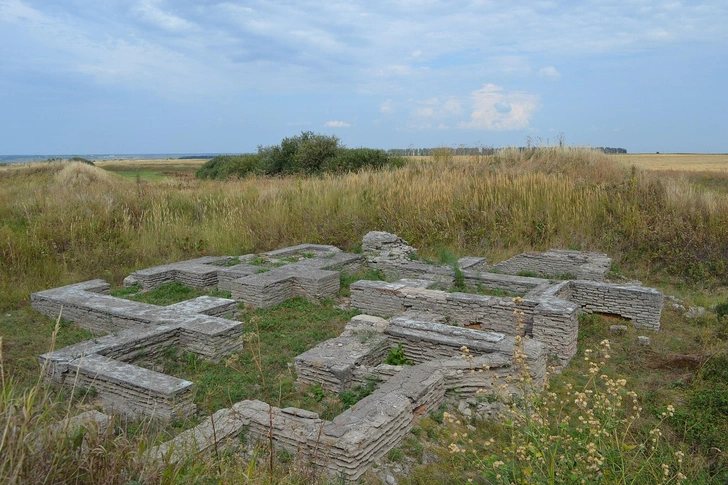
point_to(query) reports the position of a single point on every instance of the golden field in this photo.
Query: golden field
(690, 162)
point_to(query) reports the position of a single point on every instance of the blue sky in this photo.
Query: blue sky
(190, 76)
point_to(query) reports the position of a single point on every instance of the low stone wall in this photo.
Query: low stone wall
(333, 363)
(108, 363)
(354, 440)
(557, 263)
(516, 285)
(431, 326)
(643, 306)
(315, 274)
(553, 320)
(357, 354)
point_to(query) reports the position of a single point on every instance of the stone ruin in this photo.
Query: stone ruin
(414, 311)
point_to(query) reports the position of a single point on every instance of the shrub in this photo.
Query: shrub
(226, 166)
(306, 152)
(354, 159)
(721, 310)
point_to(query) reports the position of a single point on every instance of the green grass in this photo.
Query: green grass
(64, 223)
(346, 279)
(166, 294)
(26, 334)
(273, 338)
(143, 176)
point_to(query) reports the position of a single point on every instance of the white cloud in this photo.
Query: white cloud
(149, 11)
(386, 107)
(452, 107)
(549, 72)
(495, 110)
(337, 124)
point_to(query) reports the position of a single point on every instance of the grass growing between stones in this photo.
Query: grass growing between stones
(273, 337)
(64, 223)
(657, 416)
(166, 294)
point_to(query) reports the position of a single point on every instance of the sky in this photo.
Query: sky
(207, 76)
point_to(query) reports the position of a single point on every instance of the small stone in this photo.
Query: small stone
(618, 329)
(678, 307)
(471, 427)
(643, 340)
(390, 479)
(695, 312)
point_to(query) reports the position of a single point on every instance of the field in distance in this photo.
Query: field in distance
(152, 170)
(691, 162)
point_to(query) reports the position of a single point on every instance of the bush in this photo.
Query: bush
(308, 153)
(354, 159)
(226, 166)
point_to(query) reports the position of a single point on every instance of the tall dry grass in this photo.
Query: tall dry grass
(67, 222)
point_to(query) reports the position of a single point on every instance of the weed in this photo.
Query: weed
(166, 294)
(258, 261)
(528, 274)
(395, 455)
(125, 291)
(317, 392)
(352, 396)
(397, 356)
(721, 310)
(346, 279)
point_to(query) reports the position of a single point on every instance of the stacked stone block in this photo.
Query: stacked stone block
(643, 306)
(431, 326)
(557, 263)
(108, 363)
(553, 320)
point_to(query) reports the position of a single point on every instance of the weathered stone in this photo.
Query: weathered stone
(558, 263)
(432, 327)
(695, 312)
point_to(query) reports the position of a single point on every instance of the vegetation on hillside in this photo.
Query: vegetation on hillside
(307, 153)
(67, 222)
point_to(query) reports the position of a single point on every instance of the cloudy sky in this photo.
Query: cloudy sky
(190, 76)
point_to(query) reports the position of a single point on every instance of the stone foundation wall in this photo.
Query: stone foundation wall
(556, 263)
(313, 273)
(641, 305)
(108, 363)
(347, 446)
(555, 321)
(358, 354)
(433, 328)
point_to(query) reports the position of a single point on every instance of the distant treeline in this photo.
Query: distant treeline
(426, 152)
